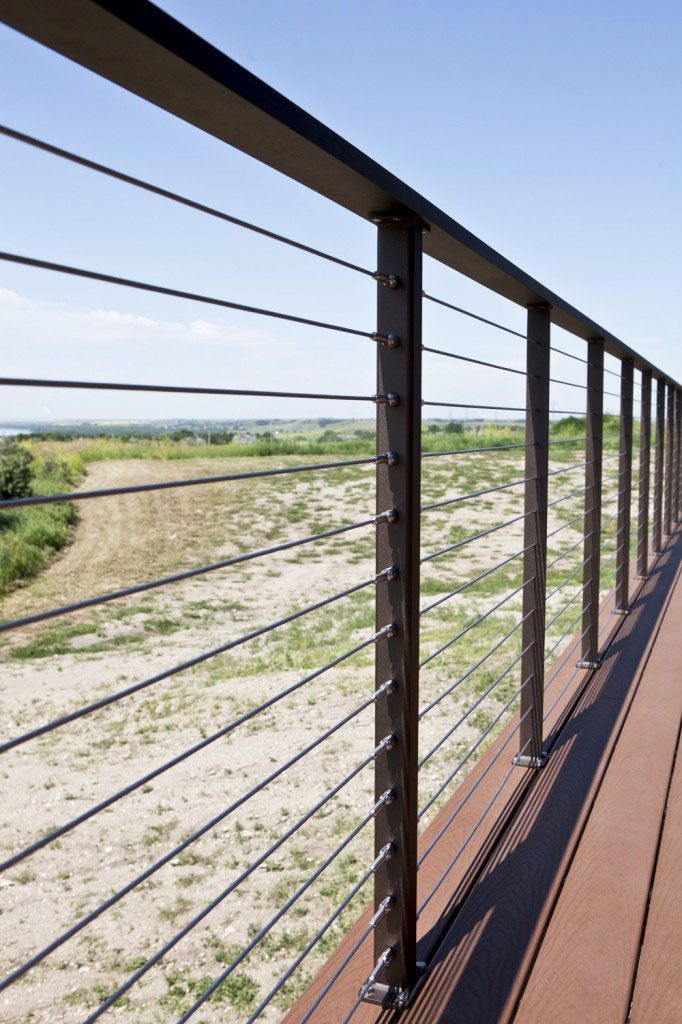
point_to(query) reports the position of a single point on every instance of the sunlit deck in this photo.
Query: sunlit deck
(568, 910)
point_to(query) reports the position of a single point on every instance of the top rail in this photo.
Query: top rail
(150, 53)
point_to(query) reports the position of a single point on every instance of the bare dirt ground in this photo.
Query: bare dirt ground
(57, 666)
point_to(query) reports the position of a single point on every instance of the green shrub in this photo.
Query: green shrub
(29, 536)
(16, 470)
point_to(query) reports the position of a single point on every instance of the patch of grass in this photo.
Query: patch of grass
(56, 640)
(239, 990)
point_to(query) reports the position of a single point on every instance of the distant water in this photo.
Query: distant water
(11, 431)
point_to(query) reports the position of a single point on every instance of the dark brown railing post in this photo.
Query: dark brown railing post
(594, 443)
(535, 537)
(397, 601)
(669, 448)
(624, 489)
(678, 448)
(657, 532)
(644, 477)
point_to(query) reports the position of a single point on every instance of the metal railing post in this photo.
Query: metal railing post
(677, 498)
(594, 443)
(399, 311)
(624, 489)
(644, 477)
(657, 532)
(535, 537)
(669, 448)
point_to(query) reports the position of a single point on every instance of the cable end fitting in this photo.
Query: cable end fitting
(387, 633)
(392, 573)
(391, 399)
(387, 340)
(390, 280)
(386, 852)
(388, 459)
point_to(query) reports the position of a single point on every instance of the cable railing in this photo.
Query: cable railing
(462, 704)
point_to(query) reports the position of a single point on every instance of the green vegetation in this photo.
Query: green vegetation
(30, 536)
(52, 461)
(345, 438)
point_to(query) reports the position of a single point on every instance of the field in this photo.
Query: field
(57, 666)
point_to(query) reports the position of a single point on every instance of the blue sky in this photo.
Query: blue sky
(549, 130)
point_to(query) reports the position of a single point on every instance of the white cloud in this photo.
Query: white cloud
(28, 320)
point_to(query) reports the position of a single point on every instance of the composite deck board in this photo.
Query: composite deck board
(586, 964)
(478, 972)
(658, 986)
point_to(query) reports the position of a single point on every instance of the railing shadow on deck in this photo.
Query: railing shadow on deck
(478, 973)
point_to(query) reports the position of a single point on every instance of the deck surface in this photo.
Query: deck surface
(568, 909)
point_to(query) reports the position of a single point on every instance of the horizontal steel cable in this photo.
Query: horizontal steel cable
(556, 669)
(385, 958)
(106, 492)
(172, 389)
(126, 282)
(578, 668)
(565, 497)
(473, 537)
(569, 384)
(568, 440)
(608, 622)
(463, 718)
(139, 588)
(567, 579)
(569, 469)
(104, 702)
(474, 451)
(563, 554)
(474, 494)
(568, 631)
(387, 904)
(570, 522)
(568, 604)
(320, 933)
(571, 355)
(68, 826)
(210, 907)
(509, 330)
(175, 197)
(176, 851)
(473, 405)
(611, 557)
(471, 835)
(611, 540)
(467, 629)
(562, 663)
(470, 359)
(475, 316)
(178, 759)
(476, 579)
(456, 770)
(473, 668)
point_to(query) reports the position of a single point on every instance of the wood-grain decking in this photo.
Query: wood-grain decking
(570, 908)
